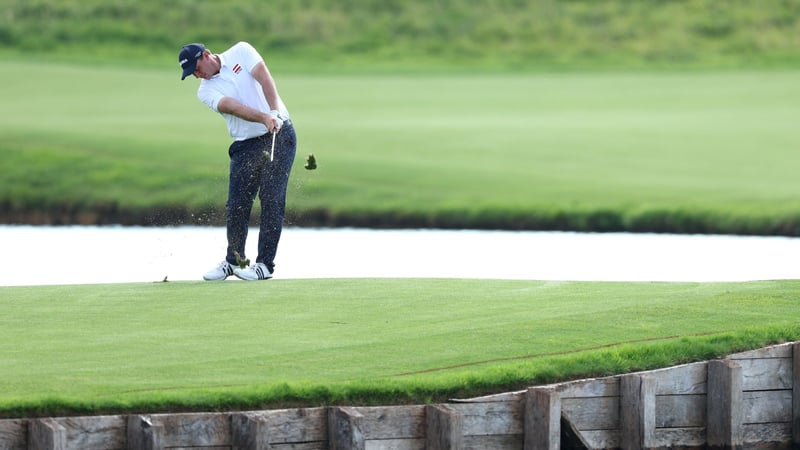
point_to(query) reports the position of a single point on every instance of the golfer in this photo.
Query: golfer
(237, 84)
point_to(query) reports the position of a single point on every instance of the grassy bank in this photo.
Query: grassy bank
(611, 116)
(205, 346)
(319, 35)
(691, 152)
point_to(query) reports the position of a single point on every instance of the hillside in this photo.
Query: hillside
(396, 35)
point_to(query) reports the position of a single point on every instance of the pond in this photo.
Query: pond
(45, 255)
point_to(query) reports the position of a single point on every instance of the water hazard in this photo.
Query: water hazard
(44, 255)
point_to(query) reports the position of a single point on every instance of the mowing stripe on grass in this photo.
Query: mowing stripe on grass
(684, 152)
(189, 343)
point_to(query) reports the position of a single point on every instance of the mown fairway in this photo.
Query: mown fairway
(579, 115)
(686, 152)
(157, 346)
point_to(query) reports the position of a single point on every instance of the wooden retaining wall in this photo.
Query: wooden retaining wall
(747, 400)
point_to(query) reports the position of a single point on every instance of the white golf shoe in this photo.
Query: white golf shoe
(258, 271)
(219, 273)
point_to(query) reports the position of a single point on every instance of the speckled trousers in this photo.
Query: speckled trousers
(251, 174)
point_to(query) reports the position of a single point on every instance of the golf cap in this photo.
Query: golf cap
(188, 57)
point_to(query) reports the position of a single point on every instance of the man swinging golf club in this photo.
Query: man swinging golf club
(237, 84)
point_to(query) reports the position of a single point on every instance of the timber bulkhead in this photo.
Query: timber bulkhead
(746, 400)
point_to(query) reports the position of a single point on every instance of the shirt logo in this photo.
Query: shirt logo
(237, 68)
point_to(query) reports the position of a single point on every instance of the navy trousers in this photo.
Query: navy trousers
(251, 174)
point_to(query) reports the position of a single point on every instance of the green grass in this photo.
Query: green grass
(190, 346)
(417, 35)
(445, 114)
(681, 152)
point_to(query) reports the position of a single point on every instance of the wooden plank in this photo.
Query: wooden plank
(679, 437)
(195, 429)
(767, 432)
(46, 434)
(637, 411)
(796, 394)
(345, 427)
(502, 397)
(494, 442)
(724, 405)
(249, 431)
(445, 428)
(773, 351)
(490, 418)
(393, 422)
(767, 406)
(395, 444)
(766, 374)
(598, 413)
(14, 434)
(684, 379)
(601, 439)
(316, 445)
(226, 447)
(144, 434)
(542, 423)
(593, 387)
(570, 437)
(297, 425)
(95, 432)
(680, 411)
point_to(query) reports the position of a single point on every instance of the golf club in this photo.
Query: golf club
(272, 148)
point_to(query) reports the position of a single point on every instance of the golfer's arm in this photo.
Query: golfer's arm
(229, 105)
(264, 78)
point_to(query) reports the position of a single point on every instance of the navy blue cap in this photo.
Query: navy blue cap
(188, 57)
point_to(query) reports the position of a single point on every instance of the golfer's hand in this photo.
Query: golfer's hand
(274, 122)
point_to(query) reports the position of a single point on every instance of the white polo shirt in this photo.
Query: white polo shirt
(234, 80)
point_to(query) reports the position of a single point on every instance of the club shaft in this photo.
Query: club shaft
(272, 149)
